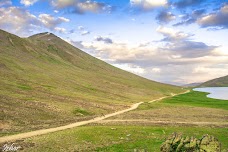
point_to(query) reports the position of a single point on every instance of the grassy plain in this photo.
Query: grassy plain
(115, 138)
(196, 99)
(190, 107)
(130, 136)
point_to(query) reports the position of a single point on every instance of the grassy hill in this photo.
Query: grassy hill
(46, 82)
(218, 82)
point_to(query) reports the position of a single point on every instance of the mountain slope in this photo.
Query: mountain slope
(44, 81)
(218, 82)
(191, 85)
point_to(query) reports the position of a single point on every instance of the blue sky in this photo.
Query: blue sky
(171, 41)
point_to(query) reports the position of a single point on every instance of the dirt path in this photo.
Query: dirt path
(168, 96)
(50, 130)
(45, 131)
(164, 122)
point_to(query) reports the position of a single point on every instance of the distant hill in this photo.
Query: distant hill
(191, 85)
(218, 82)
(45, 81)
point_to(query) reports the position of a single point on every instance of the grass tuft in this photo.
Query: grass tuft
(81, 111)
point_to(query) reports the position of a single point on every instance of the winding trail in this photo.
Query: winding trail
(46, 131)
(81, 123)
(172, 95)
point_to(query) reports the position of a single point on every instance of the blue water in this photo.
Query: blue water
(215, 92)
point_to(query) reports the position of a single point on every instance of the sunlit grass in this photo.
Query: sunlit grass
(117, 138)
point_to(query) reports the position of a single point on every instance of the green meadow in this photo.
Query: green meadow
(197, 99)
(117, 138)
(190, 99)
(139, 136)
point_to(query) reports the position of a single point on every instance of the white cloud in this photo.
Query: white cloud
(63, 3)
(21, 22)
(165, 17)
(56, 11)
(81, 6)
(85, 32)
(148, 4)
(63, 19)
(217, 19)
(50, 21)
(5, 2)
(156, 2)
(224, 9)
(81, 28)
(171, 33)
(130, 68)
(220, 51)
(165, 65)
(120, 52)
(179, 42)
(103, 39)
(207, 72)
(90, 6)
(60, 30)
(156, 70)
(17, 20)
(28, 2)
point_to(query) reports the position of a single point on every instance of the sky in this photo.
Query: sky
(170, 41)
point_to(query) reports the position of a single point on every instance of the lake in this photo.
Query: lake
(215, 92)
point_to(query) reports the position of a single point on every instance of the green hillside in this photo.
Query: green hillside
(218, 82)
(46, 82)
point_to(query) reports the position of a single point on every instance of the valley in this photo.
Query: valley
(46, 82)
(55, 97)
(144, 128)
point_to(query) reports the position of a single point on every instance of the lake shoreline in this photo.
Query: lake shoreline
(215, 92)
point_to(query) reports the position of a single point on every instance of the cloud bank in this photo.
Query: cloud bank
(180, 59)
(23, 21)
(217, 19)
(148, 4)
